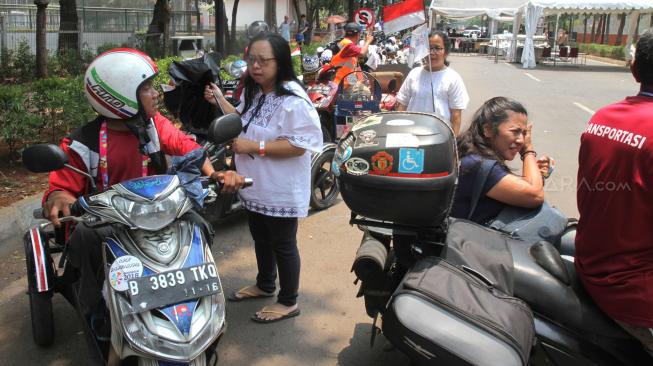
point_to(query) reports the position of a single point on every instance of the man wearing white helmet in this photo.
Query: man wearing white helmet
(127, 140)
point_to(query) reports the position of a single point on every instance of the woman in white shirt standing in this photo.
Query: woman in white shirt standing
(280, 130)
(435, 87)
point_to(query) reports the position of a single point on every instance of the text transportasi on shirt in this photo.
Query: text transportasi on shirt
(616, 134)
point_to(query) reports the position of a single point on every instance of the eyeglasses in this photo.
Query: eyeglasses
(261, 61)
(436, 49)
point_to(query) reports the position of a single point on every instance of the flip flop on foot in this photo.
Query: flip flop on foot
(271, 314)
(249, 292)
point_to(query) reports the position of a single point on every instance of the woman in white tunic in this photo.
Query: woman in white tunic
(280, 130)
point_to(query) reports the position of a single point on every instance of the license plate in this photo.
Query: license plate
(171, 287)
(230, 83)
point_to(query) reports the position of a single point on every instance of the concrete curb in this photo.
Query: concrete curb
(17, 218)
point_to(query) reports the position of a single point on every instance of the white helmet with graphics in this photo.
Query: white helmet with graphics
(112, 81)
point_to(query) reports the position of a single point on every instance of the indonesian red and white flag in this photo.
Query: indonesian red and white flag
(406, 14)
(296, 52)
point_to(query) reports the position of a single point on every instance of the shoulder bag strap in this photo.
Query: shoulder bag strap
(479, 183)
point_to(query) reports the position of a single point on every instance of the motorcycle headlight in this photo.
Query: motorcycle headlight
(237, 68)
(150, 216)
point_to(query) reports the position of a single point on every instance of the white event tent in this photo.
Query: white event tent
(532, 10)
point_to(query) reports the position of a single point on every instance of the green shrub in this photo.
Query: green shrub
(6, 71)
(61, 105)
(105, 47)
(603, 50)
(16, 126)
(24, 63)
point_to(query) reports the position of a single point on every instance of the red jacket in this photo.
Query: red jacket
(124, 160)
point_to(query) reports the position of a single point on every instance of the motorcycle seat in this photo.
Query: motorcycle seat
(549, 284)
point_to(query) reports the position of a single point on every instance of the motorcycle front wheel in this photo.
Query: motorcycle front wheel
(324, 185)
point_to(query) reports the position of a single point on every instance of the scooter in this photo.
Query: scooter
(162, 288)
(409, 232)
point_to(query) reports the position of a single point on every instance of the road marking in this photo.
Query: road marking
(532, 77)
(591, 112)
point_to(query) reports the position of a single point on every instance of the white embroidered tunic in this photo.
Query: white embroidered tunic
(281, 185)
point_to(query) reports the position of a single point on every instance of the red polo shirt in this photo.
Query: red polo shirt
(614, 242)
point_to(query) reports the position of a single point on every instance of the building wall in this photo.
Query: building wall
(252, 10)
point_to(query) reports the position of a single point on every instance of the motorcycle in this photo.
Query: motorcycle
(397, 174)
(162, 288)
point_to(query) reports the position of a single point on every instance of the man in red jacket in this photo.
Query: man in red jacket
(614, 242)
(128, 140)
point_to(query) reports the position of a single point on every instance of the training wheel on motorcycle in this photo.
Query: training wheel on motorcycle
(40, 303)
(324, 185)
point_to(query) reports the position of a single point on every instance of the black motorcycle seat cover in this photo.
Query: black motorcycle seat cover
(535, 275)
(548, 258)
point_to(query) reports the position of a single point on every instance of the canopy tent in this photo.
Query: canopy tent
(471, 8)
(496, 10)
(533, 9)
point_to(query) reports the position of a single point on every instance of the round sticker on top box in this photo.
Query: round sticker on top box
(123, 269)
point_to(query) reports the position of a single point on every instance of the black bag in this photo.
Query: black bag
(447, 314)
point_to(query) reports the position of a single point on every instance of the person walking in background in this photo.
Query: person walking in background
(284, 28)
(302, 29)
(435, 87)
(281, 129)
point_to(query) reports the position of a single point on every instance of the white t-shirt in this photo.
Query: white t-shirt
(448, 88)
(281, 185)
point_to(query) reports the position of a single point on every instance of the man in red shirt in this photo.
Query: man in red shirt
(126, 141)
(347, 58)
(614, 242)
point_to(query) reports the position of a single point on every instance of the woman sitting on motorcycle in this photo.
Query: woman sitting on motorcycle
(498, 132)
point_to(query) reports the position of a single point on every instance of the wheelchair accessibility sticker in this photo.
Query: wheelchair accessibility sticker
(411, 161)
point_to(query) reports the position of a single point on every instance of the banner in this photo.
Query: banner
(419, 44)
(403, 15)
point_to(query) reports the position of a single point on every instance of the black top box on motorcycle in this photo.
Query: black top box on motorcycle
(400, 167)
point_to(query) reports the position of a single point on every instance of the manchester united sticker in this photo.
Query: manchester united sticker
(381, 163)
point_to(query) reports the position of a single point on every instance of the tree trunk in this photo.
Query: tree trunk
(219, 26)
(585, 28)
(606, 30)
(68, 42)
(620, 32)
(234, 12)
(227, 38)
(270, 14)
(159, 27)
(41, 46)
(350, 10)
(593, 35)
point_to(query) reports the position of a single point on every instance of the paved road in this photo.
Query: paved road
(333, 328)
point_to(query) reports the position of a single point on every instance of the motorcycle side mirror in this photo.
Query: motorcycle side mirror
(392, 86)
(43, 158)
(225, 128)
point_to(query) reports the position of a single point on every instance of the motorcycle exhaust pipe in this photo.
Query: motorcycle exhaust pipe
(371, 258)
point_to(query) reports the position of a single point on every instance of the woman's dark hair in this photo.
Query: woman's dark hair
(285, 71)
(493, 112)
(644, 58)
(445, 40)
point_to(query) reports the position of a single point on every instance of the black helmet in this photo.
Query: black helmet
(257, 27)
(352, 29)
